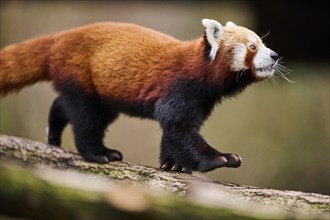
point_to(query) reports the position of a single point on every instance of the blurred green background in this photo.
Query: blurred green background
(280, 129)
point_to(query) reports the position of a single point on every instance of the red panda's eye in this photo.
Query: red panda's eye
(253, 47)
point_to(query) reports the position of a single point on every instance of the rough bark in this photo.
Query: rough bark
(199, 198)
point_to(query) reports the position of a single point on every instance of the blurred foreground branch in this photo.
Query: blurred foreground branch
(113, 191)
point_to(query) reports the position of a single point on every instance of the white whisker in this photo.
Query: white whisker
(273, 80)
(265, 35)
(266, 81)
(284, 77)
(282, 71)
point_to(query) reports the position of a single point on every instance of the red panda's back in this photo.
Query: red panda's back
(111, 59)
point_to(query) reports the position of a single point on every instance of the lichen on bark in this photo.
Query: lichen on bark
(167, 194)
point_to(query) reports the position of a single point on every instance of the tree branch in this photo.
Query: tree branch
(201, 198)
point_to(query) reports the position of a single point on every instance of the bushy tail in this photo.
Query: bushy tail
(23, 64)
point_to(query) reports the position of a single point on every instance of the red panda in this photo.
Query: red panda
(105, 69)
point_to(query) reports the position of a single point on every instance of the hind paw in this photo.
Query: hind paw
(106, 155)
(113, 155)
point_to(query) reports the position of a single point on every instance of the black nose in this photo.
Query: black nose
(274, 55)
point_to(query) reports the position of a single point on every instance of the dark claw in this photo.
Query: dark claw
(113, 155)
(105, 156)
(222, 161)
(117, 156)
(233, 160)
(186, 170)
(103, 159)
(168, 166)
(174, 167)
(165, 166)
(95, 158)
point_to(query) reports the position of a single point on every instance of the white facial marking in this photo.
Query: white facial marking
(252, 39)
(213, 31)
(239, 54)
(263, 63)
(230, 24)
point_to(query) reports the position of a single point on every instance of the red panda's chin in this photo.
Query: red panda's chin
(263, 72)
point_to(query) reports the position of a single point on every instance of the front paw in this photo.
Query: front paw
(233, 160)
(170, 166)
(221, 160)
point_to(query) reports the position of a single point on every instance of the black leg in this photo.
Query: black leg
(57, 120)
(89, 119)
(89, 126)
(181, 114)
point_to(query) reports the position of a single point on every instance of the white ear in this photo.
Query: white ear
(213, 31)
(230, 24)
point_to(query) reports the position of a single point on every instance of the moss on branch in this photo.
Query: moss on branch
(118, 190)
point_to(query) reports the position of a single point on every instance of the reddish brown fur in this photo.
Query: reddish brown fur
(23, 64)
(116, 61)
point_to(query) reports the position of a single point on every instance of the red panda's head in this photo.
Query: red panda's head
(241, 48)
